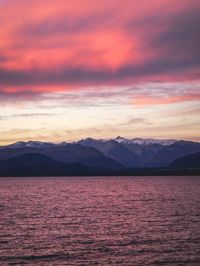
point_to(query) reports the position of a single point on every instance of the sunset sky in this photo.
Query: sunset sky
(99, 68)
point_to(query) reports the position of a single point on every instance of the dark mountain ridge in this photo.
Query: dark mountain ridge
(33, 164)
(191, 161)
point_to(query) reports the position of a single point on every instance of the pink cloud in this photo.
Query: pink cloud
(165, 100)
(51, 45)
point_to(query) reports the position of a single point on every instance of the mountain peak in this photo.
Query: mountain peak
(29, 144)
(122, 140)
(142, 141)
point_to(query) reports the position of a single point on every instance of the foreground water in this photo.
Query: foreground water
(100, 221)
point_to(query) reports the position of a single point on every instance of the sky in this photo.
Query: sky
(99, 68)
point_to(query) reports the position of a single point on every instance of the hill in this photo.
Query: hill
(189, 161)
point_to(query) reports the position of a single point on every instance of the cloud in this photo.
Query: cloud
(135, 121)
(181, 34)
(28, 115)
(94, 57)
(100, 45)
(141, 94)
(63, 24)
(165, 100)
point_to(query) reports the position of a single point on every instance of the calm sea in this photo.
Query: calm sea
(100, 221)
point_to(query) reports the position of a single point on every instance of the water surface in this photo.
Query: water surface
(100, 221)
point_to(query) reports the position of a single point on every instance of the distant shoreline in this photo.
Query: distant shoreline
(134, 172)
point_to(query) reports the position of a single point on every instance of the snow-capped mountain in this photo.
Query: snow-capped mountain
(62, 152)
(141, 141)
(30, 144)
(136, 152)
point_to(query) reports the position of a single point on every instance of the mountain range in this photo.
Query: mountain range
(89, 155)
(143, 152)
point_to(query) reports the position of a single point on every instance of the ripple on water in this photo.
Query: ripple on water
(100, 221)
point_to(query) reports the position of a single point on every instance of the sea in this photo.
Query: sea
(100, 221)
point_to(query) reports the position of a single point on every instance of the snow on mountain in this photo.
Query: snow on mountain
(139, 141)
(135, 152)
(30, 144)
(145, 141)
(91, 140)
(122, 140)
(16, 145)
